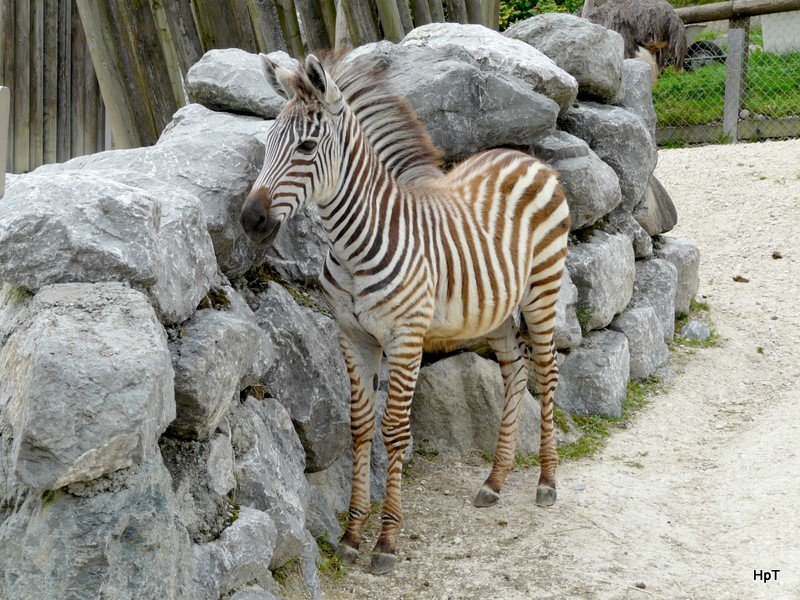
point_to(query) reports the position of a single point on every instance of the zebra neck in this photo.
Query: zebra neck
(358, 216)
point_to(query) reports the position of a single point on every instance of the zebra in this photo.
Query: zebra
(418, 260)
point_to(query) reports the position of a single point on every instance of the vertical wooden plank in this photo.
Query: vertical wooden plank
(224, 24)
(77, 89)
(50, 125)
(37, 84)
(7, 80)
(266, 25)
(100, 141)
(474, 12)
(437, 11)
(21, 91)
(313, 24)
(5, 109)
(735, 78)
(90, 108)
(405, 15)
(456, 11)
(64, 100)
(169, 51)
(390, 20)
(329, 14)
(291, 27)
(184, 32)
(363, 29)
(421, 12)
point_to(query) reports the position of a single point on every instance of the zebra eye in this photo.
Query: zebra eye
(307, 147)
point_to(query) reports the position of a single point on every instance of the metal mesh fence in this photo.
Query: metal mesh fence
(759, 65)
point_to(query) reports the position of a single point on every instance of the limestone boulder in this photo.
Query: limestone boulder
(636, 93)
(86, 384)
(299, 249)
(656, 213)
(685, 256)
(603, 270)
(589, 52)
(594, 377)
(621, 221)
(655, 286)
(568, 328)
(219, 351)
(644, 331)
(309, 376)
(621, 140)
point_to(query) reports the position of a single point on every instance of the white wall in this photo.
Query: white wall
(781, 32)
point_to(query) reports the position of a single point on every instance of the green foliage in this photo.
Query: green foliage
(330, 565)
(512, 11)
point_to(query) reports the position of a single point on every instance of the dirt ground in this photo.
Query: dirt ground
(703, 488)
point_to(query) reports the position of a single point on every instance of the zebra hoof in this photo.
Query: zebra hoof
(347, 554)
(545, 495)
(486, 496)
(382, 563)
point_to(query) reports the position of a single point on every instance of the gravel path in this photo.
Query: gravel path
(710, 490)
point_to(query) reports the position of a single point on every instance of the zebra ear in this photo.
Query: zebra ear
(277, 77)
(325, 87)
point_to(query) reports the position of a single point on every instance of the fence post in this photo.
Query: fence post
(5, 109)
(736, 76)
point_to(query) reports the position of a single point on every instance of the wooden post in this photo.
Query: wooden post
(722, 11)
(223, 24)
(77, 62)
(437, 11)
(183, 31)
(736, 77)
(405, 15)
(422, 12)
(170, 51)
(329, 14)
(7, 74)
(266, 25)
(491, 13)
(37, 85)
(390, 20)
(474, 12)
(50, 116)
(314, 24)
(64, 99)
(5, 110)
(456, 11)
(363, 29)
(22, 84)
(291, 28)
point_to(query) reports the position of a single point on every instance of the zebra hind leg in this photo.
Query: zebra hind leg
(362, 357)
(540, 317)
(510, 350)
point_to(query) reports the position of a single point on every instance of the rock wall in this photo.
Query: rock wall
(172, 397)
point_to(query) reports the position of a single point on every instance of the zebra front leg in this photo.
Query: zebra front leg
(510, 350)
(362, 356)
(540, 316)
(404, 362)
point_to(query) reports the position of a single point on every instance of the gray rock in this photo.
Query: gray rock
(686, 258)
(240, 556)
(231, 80)
(216, 165)
(115, 537)
(559, 145)
(92, 358)
(636, 93)
(330, 495)
(256, 593)
(219, 351)
(494, 53)
(309, 378)
(202, 476)
(590, 53)
(621, 140)
(621, 221)
(298, 251)
(655, 285)
(193, 119)
(13, 300)
(602, 268)
(465, 106)
(695, 330)
(645, 336)
(656, 213)
(594, 376)
(269, 471)
(309, 567)
(458, 405)
(568, 328)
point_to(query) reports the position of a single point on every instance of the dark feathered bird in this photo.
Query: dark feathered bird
(650, 24)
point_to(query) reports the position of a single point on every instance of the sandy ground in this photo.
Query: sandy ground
(711, 490)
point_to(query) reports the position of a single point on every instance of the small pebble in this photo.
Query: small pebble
(457, 540)
(695, 330)
(640, 585)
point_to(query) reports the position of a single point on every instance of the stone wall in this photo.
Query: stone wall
(172, 397)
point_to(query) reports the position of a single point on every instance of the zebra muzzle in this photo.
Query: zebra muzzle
(258, 223)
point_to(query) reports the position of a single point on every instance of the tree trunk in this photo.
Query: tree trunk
(405, 15)
(291, 28)
(390, 20)
(361, 23)
(475, 12)
(422, 12)
(314, 24)
(456, 11)
(266, 26)
(437, 11)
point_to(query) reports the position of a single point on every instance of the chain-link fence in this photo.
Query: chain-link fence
(741, 81)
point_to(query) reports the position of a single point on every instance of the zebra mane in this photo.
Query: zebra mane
(388, 120)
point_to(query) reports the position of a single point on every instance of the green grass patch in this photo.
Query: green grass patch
(330, 565)
(696, 310)
(698, 97)
(291, 570)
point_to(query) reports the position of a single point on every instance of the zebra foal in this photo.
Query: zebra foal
(418, 260)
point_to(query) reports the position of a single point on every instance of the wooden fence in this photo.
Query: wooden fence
(88, 74)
